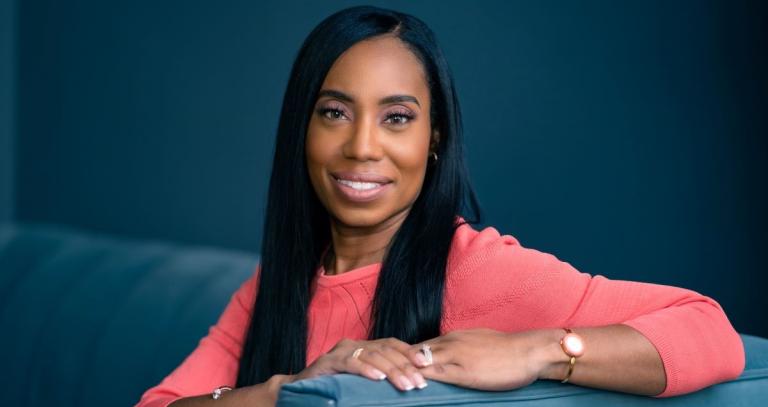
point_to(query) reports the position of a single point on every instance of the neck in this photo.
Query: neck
(355, 247)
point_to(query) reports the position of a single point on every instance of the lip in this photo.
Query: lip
(361, 177)
(353, 195)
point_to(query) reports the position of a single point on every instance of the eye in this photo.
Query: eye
(399, 118)
(331, 113)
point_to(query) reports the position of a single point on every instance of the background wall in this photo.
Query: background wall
(628, 139)
(7, 85)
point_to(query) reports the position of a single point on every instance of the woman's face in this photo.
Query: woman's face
(369, 136)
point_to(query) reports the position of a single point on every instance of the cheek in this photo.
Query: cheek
(411, 159)
(323, 143)
(318, 153)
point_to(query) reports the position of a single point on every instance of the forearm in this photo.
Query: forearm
(617, 358)
(259, 395)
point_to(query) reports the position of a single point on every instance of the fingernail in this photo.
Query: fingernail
(421, 360)
(406, 383)
(420, 382)
(378, 374)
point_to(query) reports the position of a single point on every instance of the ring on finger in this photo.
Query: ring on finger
(427, 351)
(356, 353)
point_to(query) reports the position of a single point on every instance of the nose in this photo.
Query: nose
(363, 143)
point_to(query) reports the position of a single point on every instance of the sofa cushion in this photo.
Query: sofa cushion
(90, 320)
(750, 389)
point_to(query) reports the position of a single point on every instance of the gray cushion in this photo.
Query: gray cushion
(90, 320)
(750, 389)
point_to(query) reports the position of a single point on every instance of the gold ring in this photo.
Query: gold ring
(357, 353)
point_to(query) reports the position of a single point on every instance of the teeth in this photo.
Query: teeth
(360, 186)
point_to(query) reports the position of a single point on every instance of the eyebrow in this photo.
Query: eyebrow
(386, 100)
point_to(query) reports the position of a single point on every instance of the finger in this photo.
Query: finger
(439, 353)
(386, 359)
(361, 368)
(353, 364)
(445, 372)
(411, 367)
(396, 343)
(420, 356)
(398, 355)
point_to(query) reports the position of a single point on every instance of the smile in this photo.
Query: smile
(360, 188)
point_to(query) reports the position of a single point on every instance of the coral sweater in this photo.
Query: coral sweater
(493, 282)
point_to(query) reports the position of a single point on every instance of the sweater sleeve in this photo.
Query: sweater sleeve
(515, 288)
(215, 360)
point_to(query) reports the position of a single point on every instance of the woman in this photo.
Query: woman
(368, 267)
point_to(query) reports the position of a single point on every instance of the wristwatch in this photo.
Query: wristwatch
(573, 346)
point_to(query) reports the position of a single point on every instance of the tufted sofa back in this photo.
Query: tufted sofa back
(89, 320)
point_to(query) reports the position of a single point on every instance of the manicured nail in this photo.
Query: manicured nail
(420, 382)
(378, 374)
(421, 360)
(406, 383)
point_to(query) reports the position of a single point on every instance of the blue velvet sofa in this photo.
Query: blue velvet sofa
(90, 320)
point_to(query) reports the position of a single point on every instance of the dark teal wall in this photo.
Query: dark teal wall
(628, 138)
(7, 103)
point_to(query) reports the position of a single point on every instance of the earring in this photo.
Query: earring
(433, 156)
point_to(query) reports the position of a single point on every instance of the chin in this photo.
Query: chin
(360, 217)
(368, 217)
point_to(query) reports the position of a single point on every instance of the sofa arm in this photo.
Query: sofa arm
(750, 389)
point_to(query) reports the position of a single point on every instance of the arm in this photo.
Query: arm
(214, 362)
(260, 395)
(690, 334)
(622, 360)
(641, 338)
(618, 358)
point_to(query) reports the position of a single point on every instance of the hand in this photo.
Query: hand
(380, 359)
(485, 359)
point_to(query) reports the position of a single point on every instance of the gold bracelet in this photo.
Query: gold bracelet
(570, 369)
(573, 346)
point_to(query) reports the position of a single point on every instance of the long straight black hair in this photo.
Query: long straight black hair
(409, 297)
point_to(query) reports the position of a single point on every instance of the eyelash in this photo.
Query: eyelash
(400, 115)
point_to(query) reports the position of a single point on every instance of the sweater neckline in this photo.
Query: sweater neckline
(359, 273)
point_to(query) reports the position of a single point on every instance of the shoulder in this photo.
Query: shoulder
(471, 245)
(493, 281)
(474, 246)
(488, 255)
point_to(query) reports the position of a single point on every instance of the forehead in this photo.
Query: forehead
(378, 67)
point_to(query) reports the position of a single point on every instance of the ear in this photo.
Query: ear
(434, 141)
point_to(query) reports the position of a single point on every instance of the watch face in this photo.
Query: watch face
(573, 345)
